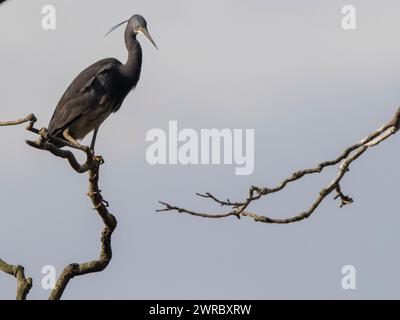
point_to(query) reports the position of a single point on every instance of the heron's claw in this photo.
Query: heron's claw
(105, 203)
(98, 159)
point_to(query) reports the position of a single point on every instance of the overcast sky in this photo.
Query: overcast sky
(284, 68)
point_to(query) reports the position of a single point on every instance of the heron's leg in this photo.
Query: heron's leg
(69, 138)
(94, 139)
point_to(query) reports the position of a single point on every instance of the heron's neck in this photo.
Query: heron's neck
(133, 65)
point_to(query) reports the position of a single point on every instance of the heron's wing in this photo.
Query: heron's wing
(86, 91)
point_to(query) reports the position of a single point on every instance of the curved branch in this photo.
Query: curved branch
(110, 223)
(347, 157)
(92, 166)
(24, 284)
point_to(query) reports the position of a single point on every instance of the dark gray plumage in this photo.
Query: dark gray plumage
(100, 89)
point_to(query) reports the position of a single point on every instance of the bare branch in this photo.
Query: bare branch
(110, 223)
(92, 166)
(29, 118)
(347, 157)
(23, 284)
(193, 213)
(65, 154)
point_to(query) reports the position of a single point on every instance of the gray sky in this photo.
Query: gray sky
(284, 68)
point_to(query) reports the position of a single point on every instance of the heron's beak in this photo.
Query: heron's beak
(147, 34)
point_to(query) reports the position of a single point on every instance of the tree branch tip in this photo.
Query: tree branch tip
(167, 207)
(255, 188)
(33, 144)
(32, 118)
(203, 195)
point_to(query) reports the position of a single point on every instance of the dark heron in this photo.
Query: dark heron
(99, 90)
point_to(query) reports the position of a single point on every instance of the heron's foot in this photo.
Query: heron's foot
(67, 136)
(76, 145)
(103, 202)
(99, 159)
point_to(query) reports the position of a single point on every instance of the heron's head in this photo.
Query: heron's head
(136, 24)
